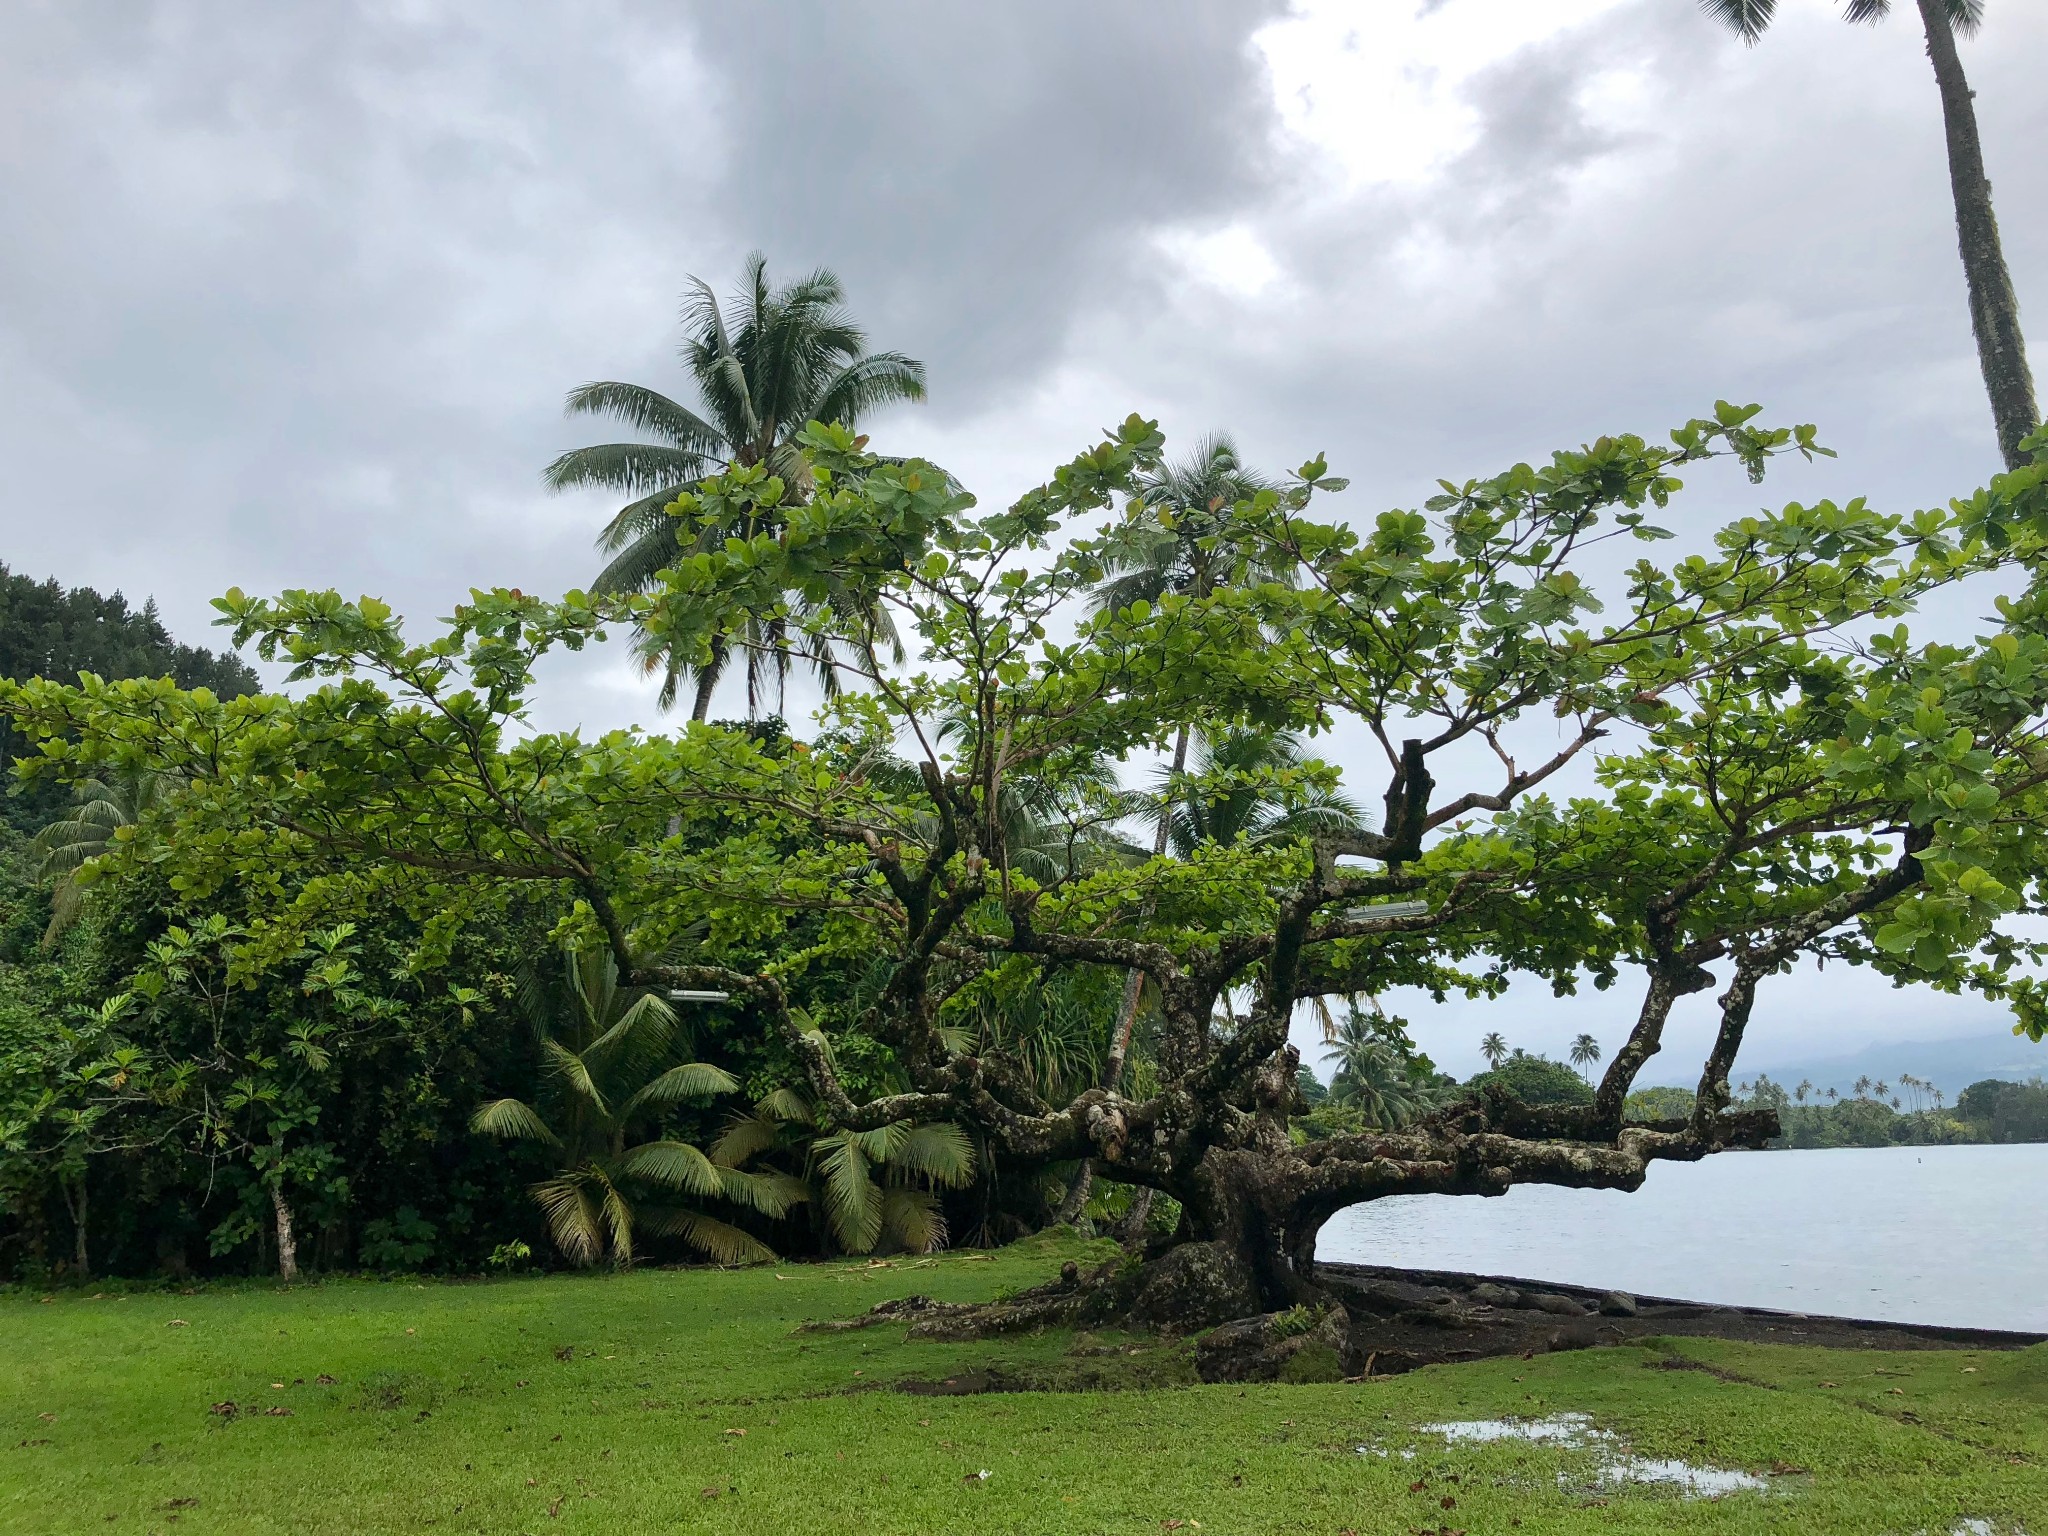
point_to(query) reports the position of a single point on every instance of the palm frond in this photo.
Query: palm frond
(67, 905)
(853, 1200)
(572, 1216)
(911, 1218)
(638, 469)
(1748, 19)
(573, 1070)
(618, 1220)
(939, 1152)
(717, 1241)
(673, 1165)
(787, 1104)
(772, 1194)
(650, 411)
(867, 383)
(691, 1080)
(744, 1138)
(642, 1031)
(515, 1119)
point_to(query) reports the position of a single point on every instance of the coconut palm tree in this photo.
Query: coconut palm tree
(1994, 310)
(100, 809)
(1493, 1048)
(1585, 1051)
(610, 1074)
(779, 359)
(1374, 1075)
(873, 1186)
(1196, 810)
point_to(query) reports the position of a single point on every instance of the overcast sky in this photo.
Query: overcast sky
(290, 294)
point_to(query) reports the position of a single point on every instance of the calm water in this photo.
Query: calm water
(1955, 1235)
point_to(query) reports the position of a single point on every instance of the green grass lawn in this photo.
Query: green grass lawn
(684, 1401)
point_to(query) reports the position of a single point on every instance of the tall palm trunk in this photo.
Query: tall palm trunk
(1994, 310)
(707, 681)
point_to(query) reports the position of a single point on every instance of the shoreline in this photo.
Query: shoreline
(1407, 1318)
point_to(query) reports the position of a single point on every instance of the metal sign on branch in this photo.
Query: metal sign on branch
(1388, 909)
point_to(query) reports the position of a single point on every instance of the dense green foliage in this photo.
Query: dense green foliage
(922, 916)
(660, 1401)
(47, 630)
(1536, 1080)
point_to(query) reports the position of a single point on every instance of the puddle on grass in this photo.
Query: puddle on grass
(1614, 1463)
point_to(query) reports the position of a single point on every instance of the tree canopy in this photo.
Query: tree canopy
(1775, 768)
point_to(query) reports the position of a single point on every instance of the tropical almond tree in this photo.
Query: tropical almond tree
(1774, 769)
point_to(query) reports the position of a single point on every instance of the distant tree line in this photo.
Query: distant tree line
(50, 630)
(1905, 1112)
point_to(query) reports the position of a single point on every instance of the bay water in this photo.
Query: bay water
(1947, 1235)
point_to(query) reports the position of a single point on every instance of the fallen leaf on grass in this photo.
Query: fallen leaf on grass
(1786, 1469)
(323, 1380)
(533, 1482)
(1830, 1383)
(279, 1412)
(177, 1322)
(1417, 1487)
(735, 1431)
(225, 1410)
(1447, 1502)
(1895, 1391)
(408, 1333)
(709, 1493)
(184, 1503)
(277, 1386)
(1969, 1370)
(555, 1508)
(47, 1418)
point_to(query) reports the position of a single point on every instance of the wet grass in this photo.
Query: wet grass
(685, 1401)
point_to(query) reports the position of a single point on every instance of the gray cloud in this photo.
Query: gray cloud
(290, 294)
